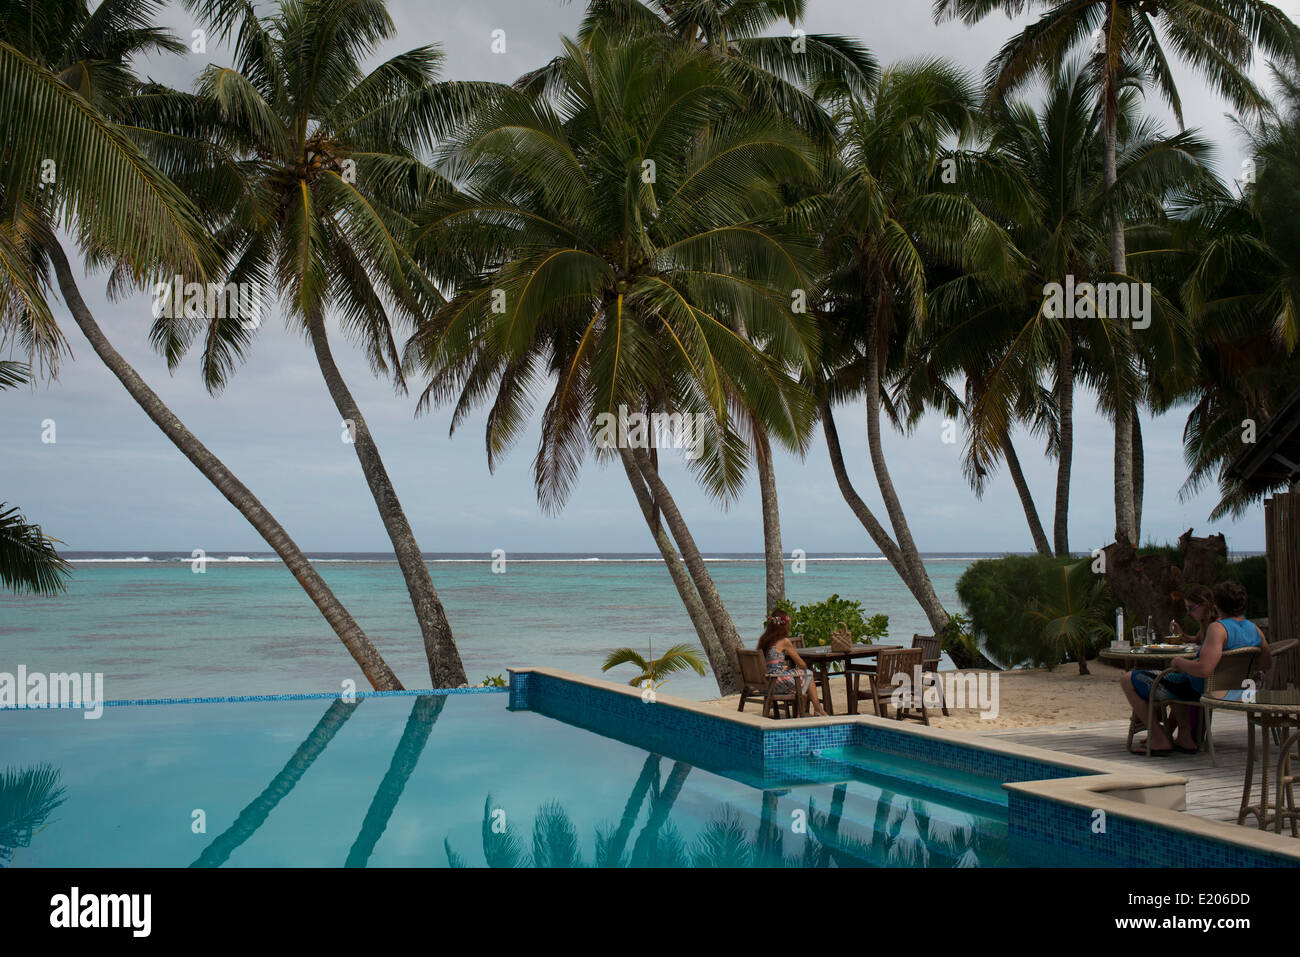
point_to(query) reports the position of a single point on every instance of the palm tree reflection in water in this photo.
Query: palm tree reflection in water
(27, 797)
(904, 833)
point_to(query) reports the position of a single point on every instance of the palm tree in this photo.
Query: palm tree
(68, 162)
(1217, 38)
(891, 219)
(1073, 612)
(608, 238)
(312, 171)
(788, 76)
(655, 670)
(1000, 335)
(1239, 262)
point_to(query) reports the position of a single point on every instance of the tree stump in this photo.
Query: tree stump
(1150, 587)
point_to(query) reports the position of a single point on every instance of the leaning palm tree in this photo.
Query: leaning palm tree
(890, 219)
(312, 172)
(1217, 38)
(69, 163)
(790, 76)
(608, 240)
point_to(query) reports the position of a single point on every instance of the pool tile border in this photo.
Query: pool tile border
(303, 696)
(1052, 795)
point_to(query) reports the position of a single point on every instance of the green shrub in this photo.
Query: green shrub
(1000, 596)
(815, 620)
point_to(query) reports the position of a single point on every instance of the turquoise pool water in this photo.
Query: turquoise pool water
(455, 780)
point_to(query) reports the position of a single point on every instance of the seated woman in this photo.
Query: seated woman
(1223, 626)
(783, 659)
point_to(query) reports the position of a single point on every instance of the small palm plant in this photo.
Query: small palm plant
(656, 670)
(1072, 612)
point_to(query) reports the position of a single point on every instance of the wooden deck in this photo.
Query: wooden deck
(1213, 792)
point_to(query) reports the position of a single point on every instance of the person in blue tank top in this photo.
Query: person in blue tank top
(1223, 627)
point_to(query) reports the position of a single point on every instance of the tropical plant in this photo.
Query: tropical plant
(71, 162)
(1217, 38)
(815, 620)
(998, 594)
(1071, 612)
(613, 238)
(654, 672)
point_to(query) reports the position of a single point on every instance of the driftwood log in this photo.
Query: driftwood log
(1149, 587)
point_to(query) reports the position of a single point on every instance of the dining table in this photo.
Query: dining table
(1146, 657)
(1266, 711)
(820, 658)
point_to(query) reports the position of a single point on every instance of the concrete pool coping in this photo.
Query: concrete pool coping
(1152, 798)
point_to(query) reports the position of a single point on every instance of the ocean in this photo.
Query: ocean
(156, 628)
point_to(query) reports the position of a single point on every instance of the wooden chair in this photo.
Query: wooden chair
(756, 684)
(931, 649)
(888, 663)
(1231, 673)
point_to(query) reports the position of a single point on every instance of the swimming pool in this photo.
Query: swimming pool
(552, 774)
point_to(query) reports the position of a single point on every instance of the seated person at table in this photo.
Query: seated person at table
(1222, 620)
(783, 659)
(1196, 598)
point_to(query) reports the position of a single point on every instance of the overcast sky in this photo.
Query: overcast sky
(112, 481)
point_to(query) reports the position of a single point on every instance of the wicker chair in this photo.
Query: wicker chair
(1231, 673)
(1285, 672)
(931, 649)
(756, 684)
(888, 664)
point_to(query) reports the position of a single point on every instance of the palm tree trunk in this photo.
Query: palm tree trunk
(918, 579)
(723, 671)
(773, 552)
(1065, 444)
(1139, 479)
(1124, 511)
(255, 814)
(445, 667)
(419, 724)
(1026, 496)
(722, 623)
(859, 508)
(365, 654)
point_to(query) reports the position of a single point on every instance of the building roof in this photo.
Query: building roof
(1273, 462)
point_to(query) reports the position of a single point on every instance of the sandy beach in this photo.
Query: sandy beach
(1025, 698)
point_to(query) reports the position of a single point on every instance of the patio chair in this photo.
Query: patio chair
(1285, 672)
(756, 684)
(931, 649)
(1233, 669)
(888, 664)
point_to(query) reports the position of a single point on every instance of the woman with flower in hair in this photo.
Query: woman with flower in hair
(783, 659)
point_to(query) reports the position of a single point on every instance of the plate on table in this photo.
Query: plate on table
(1166, 648)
